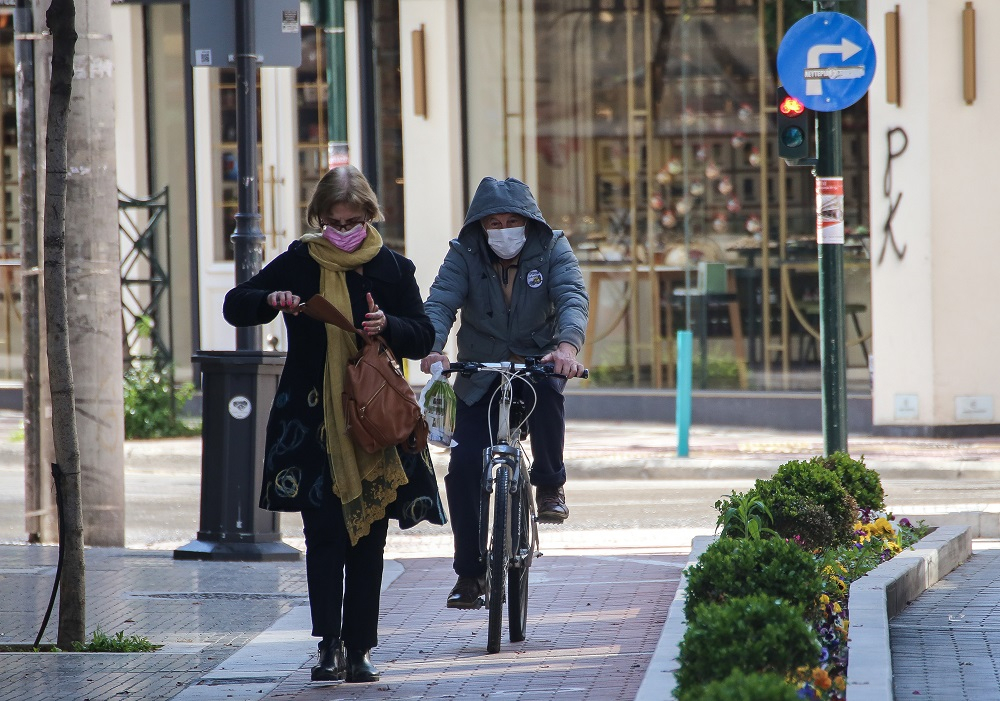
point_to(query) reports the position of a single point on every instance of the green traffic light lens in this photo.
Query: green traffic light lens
(793, 137)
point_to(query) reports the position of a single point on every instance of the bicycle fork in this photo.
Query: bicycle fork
(492, 456)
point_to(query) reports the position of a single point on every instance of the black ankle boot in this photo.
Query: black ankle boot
(360, 667)
(332, 666)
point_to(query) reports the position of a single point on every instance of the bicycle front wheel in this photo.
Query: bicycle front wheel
(517, 603)
(499, 555)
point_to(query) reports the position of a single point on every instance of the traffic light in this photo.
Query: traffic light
(793, 128)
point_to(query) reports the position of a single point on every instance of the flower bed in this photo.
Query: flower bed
(767, 603)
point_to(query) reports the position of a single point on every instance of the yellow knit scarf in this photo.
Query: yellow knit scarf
(366, 483)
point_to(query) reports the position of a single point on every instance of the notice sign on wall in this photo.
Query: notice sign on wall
(830, 210)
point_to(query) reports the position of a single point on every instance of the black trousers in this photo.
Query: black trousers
(547, 433)
(345, 581)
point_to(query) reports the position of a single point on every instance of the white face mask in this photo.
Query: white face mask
(506, 243)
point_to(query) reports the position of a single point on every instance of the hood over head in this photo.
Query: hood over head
(495, 196)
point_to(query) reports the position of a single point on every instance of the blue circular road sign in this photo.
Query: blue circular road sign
(827, 61)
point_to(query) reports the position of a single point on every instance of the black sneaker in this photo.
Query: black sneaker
(551, 503)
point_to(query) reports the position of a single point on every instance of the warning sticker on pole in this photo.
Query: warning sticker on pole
(829, 210)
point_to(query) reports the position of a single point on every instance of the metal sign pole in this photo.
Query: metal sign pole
(336, 78)
(248, 239)
(826, 61)
(830, 211)
(830, 251)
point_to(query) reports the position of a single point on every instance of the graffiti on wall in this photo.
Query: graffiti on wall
(897, 143)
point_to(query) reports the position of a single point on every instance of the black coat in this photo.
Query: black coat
(296, 464)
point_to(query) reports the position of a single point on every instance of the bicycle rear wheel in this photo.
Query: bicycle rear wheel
(517, 602)
(499, 556)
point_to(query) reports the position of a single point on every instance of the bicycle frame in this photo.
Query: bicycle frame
(508, 450)
(514, 543)
(509, 553)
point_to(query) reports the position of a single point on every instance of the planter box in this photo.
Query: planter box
(874, 599)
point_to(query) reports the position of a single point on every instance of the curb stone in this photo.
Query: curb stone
(874, 599)
(883, 593)
(659, 683)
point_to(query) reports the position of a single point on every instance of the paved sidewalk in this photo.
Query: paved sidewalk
(241, 631)
(946, 644)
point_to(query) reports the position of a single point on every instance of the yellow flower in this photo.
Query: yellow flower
(837, 608)
(839, 683)
(824, 599)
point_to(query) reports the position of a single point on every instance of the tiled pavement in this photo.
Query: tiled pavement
(240, 630)
(594, 624)
(946, 644)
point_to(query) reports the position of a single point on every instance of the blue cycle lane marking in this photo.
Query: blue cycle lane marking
(827, 61)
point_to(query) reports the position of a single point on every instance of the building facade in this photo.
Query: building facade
(645, 129)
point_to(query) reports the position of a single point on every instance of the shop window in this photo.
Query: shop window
(311, 98)
(225, 163)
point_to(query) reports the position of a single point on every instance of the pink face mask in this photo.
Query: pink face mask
(348, 241)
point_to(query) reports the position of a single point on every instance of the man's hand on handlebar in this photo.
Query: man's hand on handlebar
(425, 364)
(564, 361)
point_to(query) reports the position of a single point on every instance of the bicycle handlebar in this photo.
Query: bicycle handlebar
(531, 367)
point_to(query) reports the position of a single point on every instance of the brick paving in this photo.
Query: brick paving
(126, 592)
(946, 644)
(594, 622)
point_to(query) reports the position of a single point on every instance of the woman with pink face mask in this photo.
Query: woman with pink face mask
(311, 465)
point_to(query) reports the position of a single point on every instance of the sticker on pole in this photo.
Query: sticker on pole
(830, 210)
(240, 407)
(827, 61)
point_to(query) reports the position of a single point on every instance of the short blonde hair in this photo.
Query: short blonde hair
(343, 184)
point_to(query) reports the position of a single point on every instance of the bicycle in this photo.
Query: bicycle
(514, 518)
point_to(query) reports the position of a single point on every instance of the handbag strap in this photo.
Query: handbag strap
(319, 307)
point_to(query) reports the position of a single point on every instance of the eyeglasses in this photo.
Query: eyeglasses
(345, 225)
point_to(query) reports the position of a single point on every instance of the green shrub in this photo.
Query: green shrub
(796, 516)
(732, 568)
(815, 483)
(809, 521)
(151, 402)
(753, 634)
(740, 686)
(860, 481)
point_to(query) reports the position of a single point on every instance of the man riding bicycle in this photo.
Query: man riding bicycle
(521, 293)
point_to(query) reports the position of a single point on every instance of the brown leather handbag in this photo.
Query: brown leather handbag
(379, 404)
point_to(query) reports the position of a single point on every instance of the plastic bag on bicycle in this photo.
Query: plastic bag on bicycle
(438, 401)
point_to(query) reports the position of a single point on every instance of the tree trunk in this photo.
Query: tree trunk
(39, 497)
(93, 278)
(61, 20)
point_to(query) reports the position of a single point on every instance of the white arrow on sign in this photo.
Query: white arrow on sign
(846, 49)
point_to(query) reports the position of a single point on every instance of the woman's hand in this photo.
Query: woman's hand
(425, 364)
(563, 360)
(375, 320)
(284, 301)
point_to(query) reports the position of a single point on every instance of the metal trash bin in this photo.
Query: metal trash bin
(237, 390)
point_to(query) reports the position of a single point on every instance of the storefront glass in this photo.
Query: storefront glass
(11, 360)
(645, 128)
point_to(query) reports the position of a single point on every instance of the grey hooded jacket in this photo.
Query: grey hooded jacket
(548, 304)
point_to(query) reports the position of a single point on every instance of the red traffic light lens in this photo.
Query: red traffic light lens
(791, 107)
